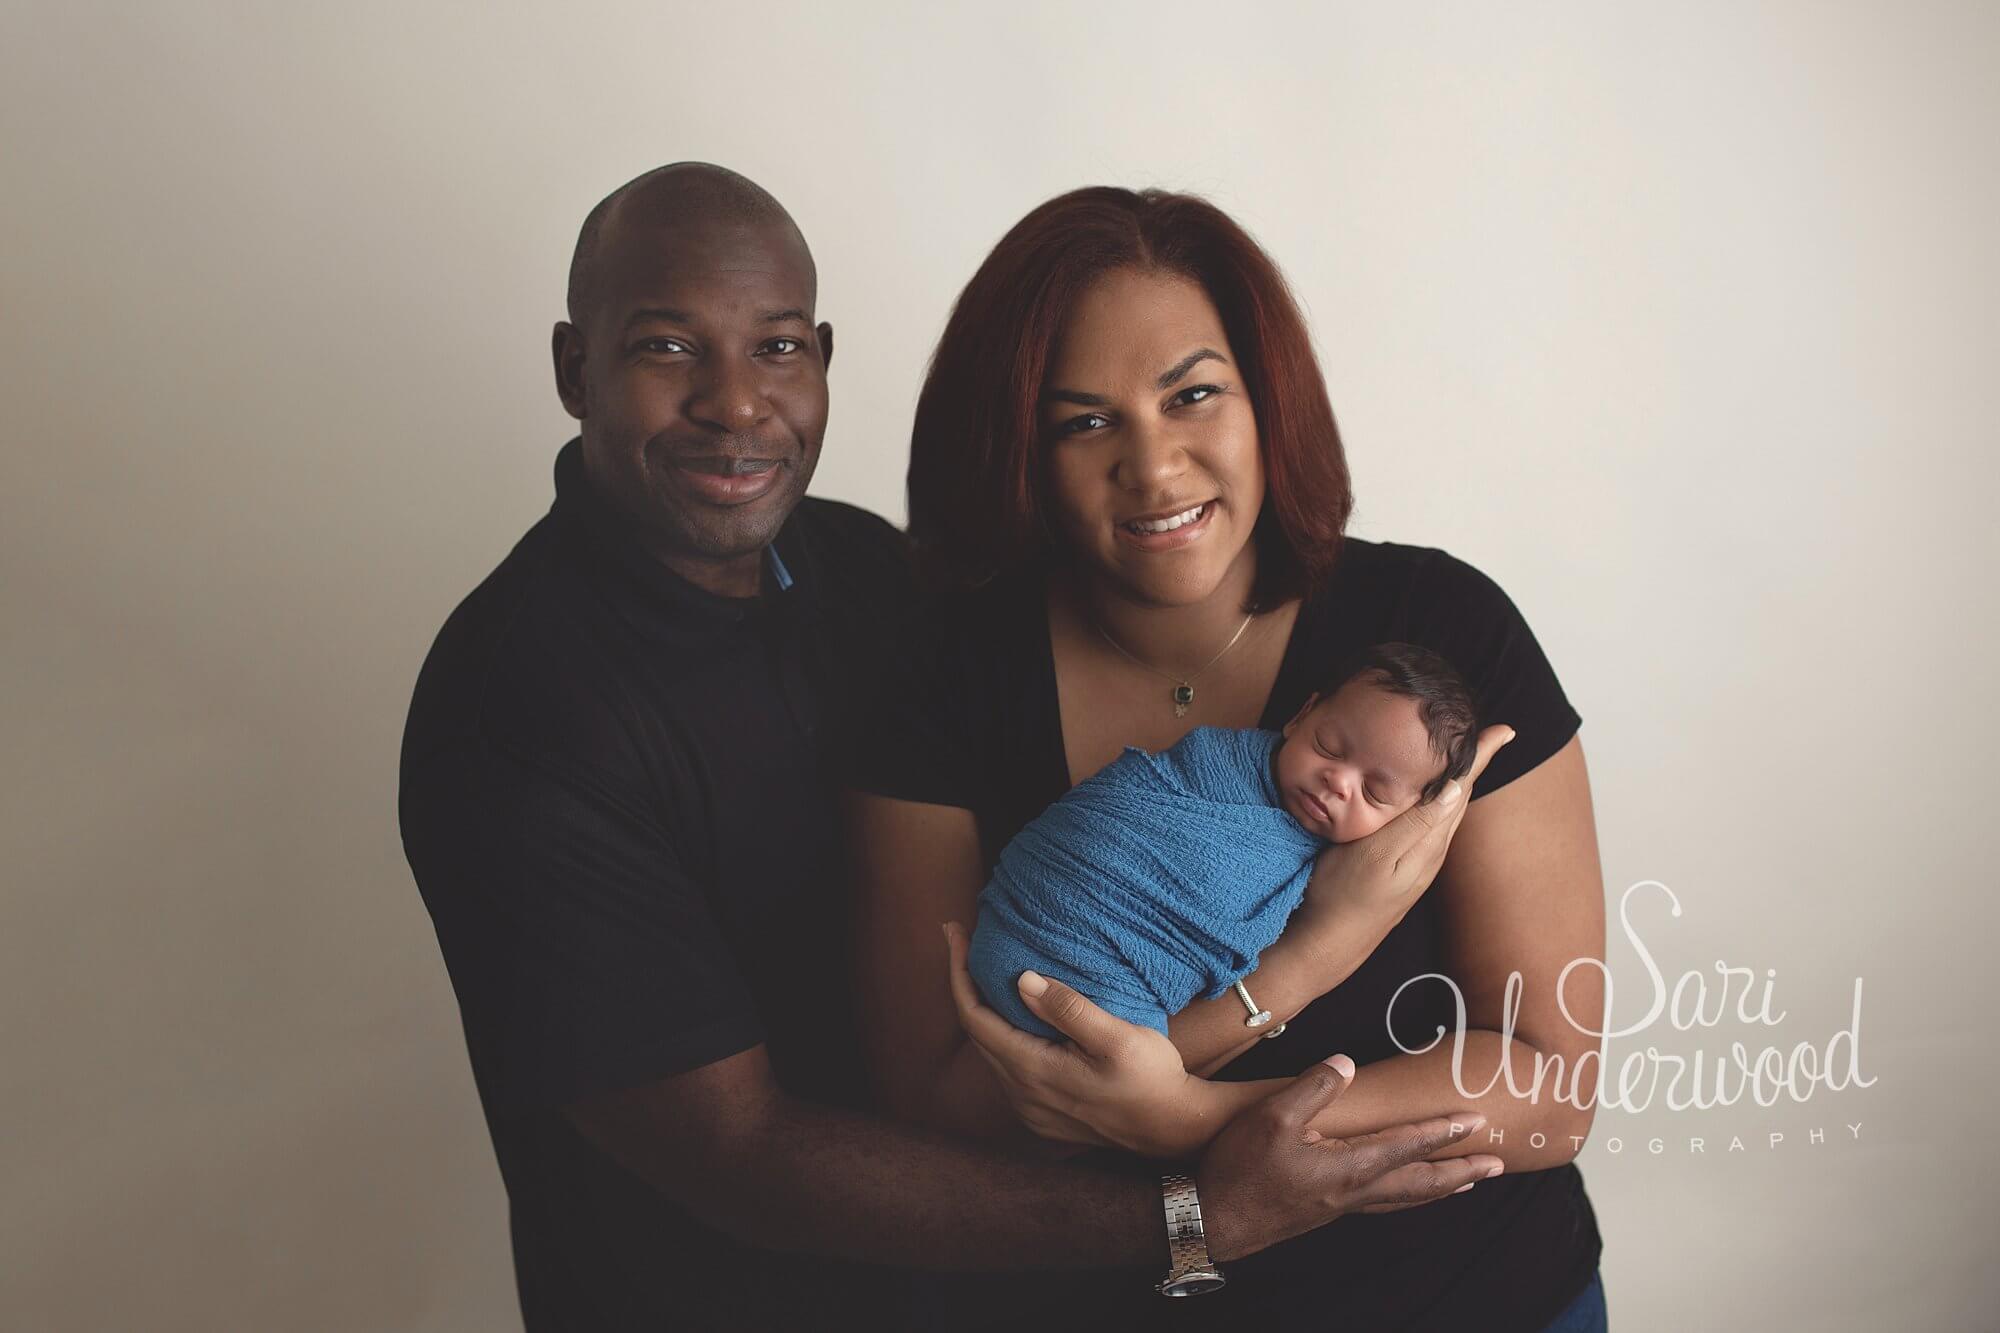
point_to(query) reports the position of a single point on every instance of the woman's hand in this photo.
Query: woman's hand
(1378, 878)
(1265, 1172)
(1113, 1084)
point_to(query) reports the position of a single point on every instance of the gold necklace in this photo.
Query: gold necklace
(1183, 695)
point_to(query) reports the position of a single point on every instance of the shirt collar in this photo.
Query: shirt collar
(603, 537)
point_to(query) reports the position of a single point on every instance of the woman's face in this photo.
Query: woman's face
(1154, 472)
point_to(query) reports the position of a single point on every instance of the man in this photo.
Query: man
(615, 802)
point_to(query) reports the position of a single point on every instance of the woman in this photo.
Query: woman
(1126, 481)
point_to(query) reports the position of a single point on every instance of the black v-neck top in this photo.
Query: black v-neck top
(971, 719)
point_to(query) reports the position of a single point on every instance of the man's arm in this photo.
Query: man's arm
(726, 1143)
(583, 953)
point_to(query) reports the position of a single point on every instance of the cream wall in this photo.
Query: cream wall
(1677, 320)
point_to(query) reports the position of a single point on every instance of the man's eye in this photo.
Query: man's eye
(661, 346)
(783, 346)
(1087, 422)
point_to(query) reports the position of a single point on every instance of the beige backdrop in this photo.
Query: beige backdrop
(1678, 321)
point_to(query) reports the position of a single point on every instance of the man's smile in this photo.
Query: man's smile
(724, 479)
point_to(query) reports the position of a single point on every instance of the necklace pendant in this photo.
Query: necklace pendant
(1183, 696)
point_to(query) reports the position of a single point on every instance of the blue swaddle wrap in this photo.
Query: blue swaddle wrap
(1154, 882)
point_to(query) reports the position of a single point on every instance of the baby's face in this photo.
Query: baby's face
(1353, 762)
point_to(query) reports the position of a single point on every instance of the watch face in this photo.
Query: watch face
(1194, 1284)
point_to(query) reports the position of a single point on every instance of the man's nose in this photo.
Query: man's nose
(728, 395)
(1151, 458)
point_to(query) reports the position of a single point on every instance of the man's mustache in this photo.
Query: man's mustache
(729, 457)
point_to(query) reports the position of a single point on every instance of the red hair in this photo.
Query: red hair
(977, 507)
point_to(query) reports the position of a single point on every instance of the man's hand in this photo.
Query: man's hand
(1269, 1177)
(1113, 1084)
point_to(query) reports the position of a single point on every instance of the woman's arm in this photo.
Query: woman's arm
(1523, 893)
(916, 866)
(1350, 906)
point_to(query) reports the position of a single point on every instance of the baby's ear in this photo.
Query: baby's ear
(1299, 716)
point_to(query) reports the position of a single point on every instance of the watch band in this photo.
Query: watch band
(1190, 1271)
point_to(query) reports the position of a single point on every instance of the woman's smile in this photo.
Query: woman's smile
(1169, 532)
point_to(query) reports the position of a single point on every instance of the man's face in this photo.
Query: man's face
(700, 381)
(1354, 761)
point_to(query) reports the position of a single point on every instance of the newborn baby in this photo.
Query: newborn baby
(1162, 877)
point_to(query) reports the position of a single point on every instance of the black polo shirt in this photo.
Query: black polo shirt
(617, 804)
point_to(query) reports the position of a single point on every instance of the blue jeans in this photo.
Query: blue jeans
(1585, 1314)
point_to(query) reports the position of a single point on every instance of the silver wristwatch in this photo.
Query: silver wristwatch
(1189, 1269)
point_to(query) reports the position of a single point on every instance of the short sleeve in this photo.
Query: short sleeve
(913, 725)
(1464, 615)
(585, 957)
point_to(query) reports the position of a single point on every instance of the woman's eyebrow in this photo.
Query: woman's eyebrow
(1171, 376)
(1074, 396)
(1168, 378)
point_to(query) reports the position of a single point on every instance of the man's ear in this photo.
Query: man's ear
(826, 344)
(1299, 716)
(566, 350)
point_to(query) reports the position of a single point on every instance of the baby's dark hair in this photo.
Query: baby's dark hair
(1444, 702)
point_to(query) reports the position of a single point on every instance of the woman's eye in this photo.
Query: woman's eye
(1089, 421)
(1197, 393)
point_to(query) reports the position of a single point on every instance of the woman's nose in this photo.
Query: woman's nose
(1151, 458)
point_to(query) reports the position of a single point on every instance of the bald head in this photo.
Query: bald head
(685, 197)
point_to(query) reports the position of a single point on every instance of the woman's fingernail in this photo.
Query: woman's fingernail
(1495, 1171)
(1450, 794)
(1033, 983)
(1466, 1186)
(1340, 1065)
